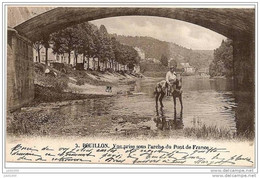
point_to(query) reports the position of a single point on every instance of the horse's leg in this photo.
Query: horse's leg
(157, 111)
(180, 98)
(169, 90)
(174, 101)
(181, 113)
(161, 97)
(162, 112)
(175, 114)
(156, 100)
(163, 122)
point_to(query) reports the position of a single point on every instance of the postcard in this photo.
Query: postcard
(130, 85)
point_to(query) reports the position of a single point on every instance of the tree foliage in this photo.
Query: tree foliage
(66, 40)
(222, 64)
(91, 41)
(164, 60)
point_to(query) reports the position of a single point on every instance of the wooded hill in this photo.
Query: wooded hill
(155, 48)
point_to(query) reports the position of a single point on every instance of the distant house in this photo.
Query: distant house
(203, 71)
(140, 53)
(187, 69)
(64, 58)
(51, 56)
(57, 58)
(137, 68)
(153, 60)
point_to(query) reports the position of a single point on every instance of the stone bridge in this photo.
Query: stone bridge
(237, 24)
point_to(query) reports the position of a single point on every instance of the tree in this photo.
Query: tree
(132, 57)
(65, 41)
(38, 46)
(164, 60)
(107, 54)
(46, 43)
(172, 63)
(98, 43)
(116, 47)
(87, 46)
(222, 64)
(87, 39)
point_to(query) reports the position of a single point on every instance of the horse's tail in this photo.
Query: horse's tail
(155, 90)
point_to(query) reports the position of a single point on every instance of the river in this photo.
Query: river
(211, 103)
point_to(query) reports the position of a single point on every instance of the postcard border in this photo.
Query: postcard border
(127, 4)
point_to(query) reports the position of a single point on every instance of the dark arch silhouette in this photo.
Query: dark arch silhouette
(229, 22)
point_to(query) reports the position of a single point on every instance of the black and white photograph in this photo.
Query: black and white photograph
(130, 85)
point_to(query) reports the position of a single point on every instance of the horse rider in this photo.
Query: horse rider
(171, 77)
(174, 83)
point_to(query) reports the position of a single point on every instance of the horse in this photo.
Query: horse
(163, 88)
(163, 123)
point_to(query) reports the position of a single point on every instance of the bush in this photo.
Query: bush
(80, 82)
(60, 84)
(212, 132)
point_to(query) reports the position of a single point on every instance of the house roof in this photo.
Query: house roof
(185, 64)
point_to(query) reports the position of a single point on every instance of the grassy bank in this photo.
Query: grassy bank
(74, 84)
(213, 132)
(155, 74)
(49, 94)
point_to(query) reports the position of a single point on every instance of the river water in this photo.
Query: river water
(208, 103)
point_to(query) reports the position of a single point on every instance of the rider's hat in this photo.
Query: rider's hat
(172, 67)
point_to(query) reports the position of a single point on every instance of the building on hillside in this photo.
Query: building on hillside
(187, 69)
(203, 71)
(156, 61)
(140, 52)
(153, 60)
(137, 68)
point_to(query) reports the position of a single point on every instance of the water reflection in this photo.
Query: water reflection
(205, 101)
(88, 107)
(194, 83)
(164, 123)
(245, 114)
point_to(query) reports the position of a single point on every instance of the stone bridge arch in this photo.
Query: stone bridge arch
(237, 24)
(231, 23)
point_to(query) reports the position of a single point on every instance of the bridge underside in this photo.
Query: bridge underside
(236, 24)
(228, 22)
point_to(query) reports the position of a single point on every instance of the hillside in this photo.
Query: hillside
(207, 52)
(154, 48)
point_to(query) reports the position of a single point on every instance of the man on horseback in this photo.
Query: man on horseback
(171, 78)
(174, 84)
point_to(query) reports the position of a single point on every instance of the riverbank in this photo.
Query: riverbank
(53, 85)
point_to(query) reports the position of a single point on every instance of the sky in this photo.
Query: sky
(182, 33)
